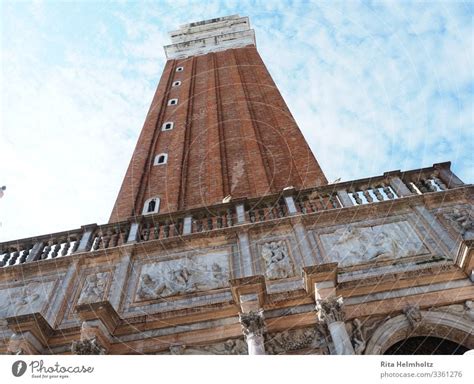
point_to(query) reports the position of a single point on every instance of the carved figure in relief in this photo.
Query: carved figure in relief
(182, 276)
(94, 288)
(358, 339)
(149, 288)
(413, 314)
(355, 244)
(463, 219)
(276, 258)
(28, 295)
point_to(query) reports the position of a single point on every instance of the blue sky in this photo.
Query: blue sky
(374, 86)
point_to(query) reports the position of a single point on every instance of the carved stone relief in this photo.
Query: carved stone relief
(277, 261)
(94, 288)
(183, 275)
(229, 347)
(413, 315)
(22, 300)
(293, 340)
(357, 243)
(462, 219)
(465, 310)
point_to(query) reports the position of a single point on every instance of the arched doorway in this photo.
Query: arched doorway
(435, 327)
(426, 346)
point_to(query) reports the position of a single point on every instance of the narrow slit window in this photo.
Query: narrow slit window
(172, 101)
(176, 83)
(179, 69)
(161, 159)
(168, 126)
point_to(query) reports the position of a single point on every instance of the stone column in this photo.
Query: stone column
(331, 313)
(253, 328)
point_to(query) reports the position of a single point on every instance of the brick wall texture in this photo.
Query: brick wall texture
(233, 135)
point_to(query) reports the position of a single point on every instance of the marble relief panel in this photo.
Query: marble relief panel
(183, 275)
(32, 297)
(358, 243)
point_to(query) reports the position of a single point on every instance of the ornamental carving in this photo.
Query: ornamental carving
(88, 343)
(330, 310)
(462, 219)
(413, 315)
(465, 310)
(253, 323)
(94, 288)
(293, 340)
(184, 275)
(87, 347)
(358, 338)
(356, 244)
(277, 262)
(229, 347)
(29, 298)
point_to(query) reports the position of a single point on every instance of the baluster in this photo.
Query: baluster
(271, 214)
(411, 187)
(367, 195)
(146, 232)
(261, 215)
(176, 228)
(25, 254)
(229, 220)
(421, 187)
(219, 221)
(5, 259)
(46, 251)
(15, 256)
(106, 240)
(66, 247)
(199, 225)
(97, 242)
(56, 248)
(209, 224)
(166, 230)
(281, 209)
(252, 216)
(115, 237)
(333, 201)
(76, 245)
(439, 183)
(156, 231)
(388, 192)
(429, 186)
(355, 195)
(378, 194)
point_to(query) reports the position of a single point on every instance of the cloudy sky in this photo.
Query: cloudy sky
(374, 86)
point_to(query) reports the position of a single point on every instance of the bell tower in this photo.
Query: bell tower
(217, 128)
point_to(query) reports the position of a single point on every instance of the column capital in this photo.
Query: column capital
(330, 310)
(253, 323)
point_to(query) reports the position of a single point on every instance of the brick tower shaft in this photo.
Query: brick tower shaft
(217, 128)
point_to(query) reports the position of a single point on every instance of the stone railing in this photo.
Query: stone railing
(290, 202)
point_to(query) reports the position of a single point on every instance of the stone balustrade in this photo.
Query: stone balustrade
(90, 238)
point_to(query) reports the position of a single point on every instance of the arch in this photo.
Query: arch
(152, 205)
(439, 324)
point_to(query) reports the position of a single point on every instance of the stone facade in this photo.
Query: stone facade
(346, 268)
